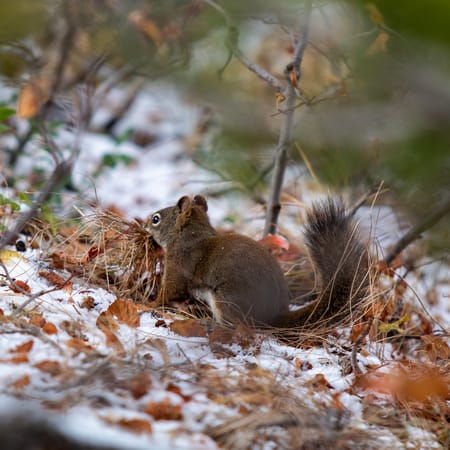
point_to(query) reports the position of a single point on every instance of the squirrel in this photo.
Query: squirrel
(242, 282)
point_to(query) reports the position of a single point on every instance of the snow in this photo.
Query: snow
(89, 407)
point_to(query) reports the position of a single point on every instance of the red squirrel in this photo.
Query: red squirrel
(241, 281)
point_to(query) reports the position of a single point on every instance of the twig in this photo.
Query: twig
(61, 171)
(253, 67)
(358, 342)
(415, 232)
(285, 139)
(258, 70)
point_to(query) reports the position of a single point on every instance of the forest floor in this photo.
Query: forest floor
(85, 364)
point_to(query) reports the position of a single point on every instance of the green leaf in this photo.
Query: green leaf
(112, 159)
(25, 199)
(6, 113)
(6, 201)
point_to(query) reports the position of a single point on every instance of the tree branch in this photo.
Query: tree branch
(61, 171)
(415, 232)
(285, 139)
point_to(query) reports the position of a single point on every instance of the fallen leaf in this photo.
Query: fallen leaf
(319, 383)
(139, 384)
(51, 367)
(21, 382)
(23, 348)
(188, 328)
(106, 320)
(20, 358)
(20, 287)
(88, 302)
(125, 311)
(56, 280)
(177, 390)
(113, 341)
(164, 410)
(38, 320)
(49, 328)
(139, 426)
(80, 346)
(436, 347)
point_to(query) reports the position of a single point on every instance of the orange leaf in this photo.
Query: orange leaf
(436, 347)
(23, 348)
(55, 280)
(164, 410)
(188, 328)
(106, 320)
(21, 382)
(38, 320)
(51, 367)
(31, 98)
(20, 287)
(375, 15)
(79, 346)
(139, 384)
(275, 244)
(49, 328)
(113, 341)
(125, 311)
(145, 25)
(176, 390)
(88, 302)
(20, 358)
(139, 426)
(319, 383)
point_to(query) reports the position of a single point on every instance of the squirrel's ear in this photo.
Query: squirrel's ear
(183, 203)
(199, 200)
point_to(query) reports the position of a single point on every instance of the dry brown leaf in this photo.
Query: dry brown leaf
(164, 410)
(125, 311)
(177, 390)
(139, 385)
(113, 341)
(436, 347)
(319, 383)
(38, 320)
(31, 99)
(188, 328)
(20, 358)
(79, 346)
(106, 320)
(139, 426)
(21, 382)
(88, 302)
(49, 328)
(145, 25)
(20, 287)
(374, 13)
(222, 335)
(23, 348)
(56, 280)
(51, 367)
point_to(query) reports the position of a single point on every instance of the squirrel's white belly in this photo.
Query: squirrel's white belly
(207, 296)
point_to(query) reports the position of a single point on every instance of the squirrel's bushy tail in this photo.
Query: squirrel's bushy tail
(340, 260)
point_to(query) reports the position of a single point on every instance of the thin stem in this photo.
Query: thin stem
(285, 139)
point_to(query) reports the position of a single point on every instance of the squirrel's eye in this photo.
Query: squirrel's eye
(156, 219)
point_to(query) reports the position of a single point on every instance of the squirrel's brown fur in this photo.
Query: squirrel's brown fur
(241, 281)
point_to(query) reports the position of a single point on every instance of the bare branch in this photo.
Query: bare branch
(285, 139)
(61, 171)
(415, 232)
(258, 70)
(253, 67)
